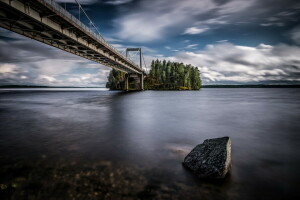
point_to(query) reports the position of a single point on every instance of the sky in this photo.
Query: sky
(230, 41)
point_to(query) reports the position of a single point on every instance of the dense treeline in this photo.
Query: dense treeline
(166, 75)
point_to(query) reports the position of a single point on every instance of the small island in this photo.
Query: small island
(163, 75)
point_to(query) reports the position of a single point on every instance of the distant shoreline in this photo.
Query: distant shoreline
(203, 86)
(31, 86)
(250, 86)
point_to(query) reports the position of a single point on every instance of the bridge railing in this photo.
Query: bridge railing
(97, 35)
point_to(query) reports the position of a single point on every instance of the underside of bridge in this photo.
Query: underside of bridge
(48, 22)
(134, 82)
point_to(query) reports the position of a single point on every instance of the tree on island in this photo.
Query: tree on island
(164, 75)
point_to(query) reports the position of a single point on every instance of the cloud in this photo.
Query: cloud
(118, 2)
(214, 21)
(286, 13)
(171, 49)
(285, 17)
(158, 22)
(226, 62)
(273, 24)
(154, 20)
(82, 2)
(221, 41)
(40, 75)
(25, 61)
(235, 6)
(273, 21)
(47, 78)
(191, 46)
(138, 29)
(295, 35)
(17, 48)
(9, 73)
(7, 69)
(110, 39)
(151, 20)
(195, 30)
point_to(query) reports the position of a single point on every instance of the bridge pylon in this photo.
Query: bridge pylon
(137, 77)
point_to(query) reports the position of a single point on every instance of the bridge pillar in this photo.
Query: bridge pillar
(142, 81)
(126, 82)
(138, 80)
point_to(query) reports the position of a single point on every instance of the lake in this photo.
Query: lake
(99, 144)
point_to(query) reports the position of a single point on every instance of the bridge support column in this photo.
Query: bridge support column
(126, 82)
(142, 81)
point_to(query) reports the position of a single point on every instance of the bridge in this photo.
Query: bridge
(48, 22)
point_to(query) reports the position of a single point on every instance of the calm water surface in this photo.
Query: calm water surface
(151, 132)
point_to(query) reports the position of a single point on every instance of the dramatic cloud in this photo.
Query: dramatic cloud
(24, 61)
(235, 6)
(82, 2)
(226, 62)
(295, 34)
(151, 19)
(191, 46)
(189, 31)
(221, 41)
(195, 30)
(7, 69)
(118, 2)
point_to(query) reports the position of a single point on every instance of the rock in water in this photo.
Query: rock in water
(212, 159)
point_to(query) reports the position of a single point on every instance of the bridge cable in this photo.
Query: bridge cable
(145, 64)
(123, 51)
(79, 13)
(90, 21)
(136, 53)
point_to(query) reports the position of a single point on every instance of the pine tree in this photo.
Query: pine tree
(164, 75)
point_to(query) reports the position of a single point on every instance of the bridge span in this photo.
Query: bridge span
(46, 21)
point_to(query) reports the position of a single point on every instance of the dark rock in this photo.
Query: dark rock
(212, 159)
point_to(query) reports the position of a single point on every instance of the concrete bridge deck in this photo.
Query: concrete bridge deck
(47, 22)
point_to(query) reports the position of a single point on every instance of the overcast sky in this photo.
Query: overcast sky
(231, 41)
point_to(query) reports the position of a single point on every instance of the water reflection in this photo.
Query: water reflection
(150, 133)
